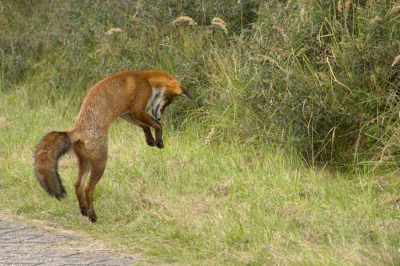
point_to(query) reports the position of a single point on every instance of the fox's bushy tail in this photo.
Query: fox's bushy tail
(48, 152)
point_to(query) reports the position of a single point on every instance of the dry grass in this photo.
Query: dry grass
(376, 19)
(396, 60)
(189, 21)
(113, 31)
(395, 9)
(282, 33)
(340, 7)
(220, 23)
(209, 136)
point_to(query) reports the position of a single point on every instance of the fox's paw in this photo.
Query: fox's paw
(92, 217)
(151, 142)
(84, 212)
(160, 144)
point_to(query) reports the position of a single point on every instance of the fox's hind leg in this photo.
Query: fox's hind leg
(97, 155)
(84, 169)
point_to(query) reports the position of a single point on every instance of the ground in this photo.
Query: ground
(23, 245)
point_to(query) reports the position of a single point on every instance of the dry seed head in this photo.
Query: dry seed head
(113, 30)
(218, 20)
(261, 57)
(220, 23)
(395, 9)
(282, 33)
(375, 20)
(340, 7)
(189, 20)
(347, 6)
(279, 50)
(209, 136)
(396, 60)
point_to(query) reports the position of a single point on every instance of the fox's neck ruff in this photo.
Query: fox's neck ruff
(156, 102)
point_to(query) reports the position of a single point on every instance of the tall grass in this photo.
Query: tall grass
(314, 74)
(198, 202)
(279, 86)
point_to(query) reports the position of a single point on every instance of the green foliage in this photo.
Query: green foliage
(313, 74)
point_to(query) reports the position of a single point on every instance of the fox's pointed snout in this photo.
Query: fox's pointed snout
(186, 94)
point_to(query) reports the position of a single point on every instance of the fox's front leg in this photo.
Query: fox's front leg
(147, 132)
(159, 140)
(149, 137)
(147, 120)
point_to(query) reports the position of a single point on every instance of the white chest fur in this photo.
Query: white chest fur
(156, 102)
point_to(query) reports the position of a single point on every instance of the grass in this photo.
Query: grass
(288, 155)
(198, 204)
(309, 74)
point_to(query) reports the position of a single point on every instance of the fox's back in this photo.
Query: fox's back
(107, 100)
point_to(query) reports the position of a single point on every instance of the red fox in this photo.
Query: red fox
(127, 95)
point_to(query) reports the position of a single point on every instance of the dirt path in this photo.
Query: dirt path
(20, 245)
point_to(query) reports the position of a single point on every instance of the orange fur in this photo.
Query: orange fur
(126, 95)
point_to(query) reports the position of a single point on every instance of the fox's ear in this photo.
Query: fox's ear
(186, 94)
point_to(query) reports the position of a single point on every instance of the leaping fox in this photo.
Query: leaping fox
(126, 95)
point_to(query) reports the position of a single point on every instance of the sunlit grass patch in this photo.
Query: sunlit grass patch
(197, 203)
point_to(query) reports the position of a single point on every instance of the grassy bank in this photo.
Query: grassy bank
(201, 204)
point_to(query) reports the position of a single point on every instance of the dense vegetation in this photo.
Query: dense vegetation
(279, 86)
(317, 75)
